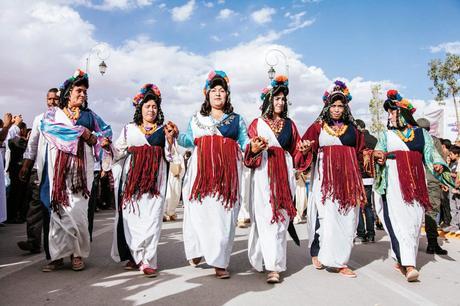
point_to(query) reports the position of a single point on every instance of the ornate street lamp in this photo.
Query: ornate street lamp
(272, 60)
(102, 52)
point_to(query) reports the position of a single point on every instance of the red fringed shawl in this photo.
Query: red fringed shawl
(72, 167)
(143, 173)
(280, 191)
(411, 174)
(342, 180)
(217, 169)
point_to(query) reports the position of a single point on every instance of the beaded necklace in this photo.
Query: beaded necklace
(73, 112)
(276, 125)
(408, 137)
(148, 131)
(335, 130)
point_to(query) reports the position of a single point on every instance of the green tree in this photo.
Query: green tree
(445, 76)
(376, 109)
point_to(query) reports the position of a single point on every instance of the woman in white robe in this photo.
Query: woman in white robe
(142, 151)
(335, 147)
(211, 191)
(403, 152)
(273, 183)
(72, 136)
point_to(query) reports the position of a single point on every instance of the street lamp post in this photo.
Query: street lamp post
(272, 60)
(103, 53)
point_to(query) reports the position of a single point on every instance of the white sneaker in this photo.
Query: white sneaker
(457, 232)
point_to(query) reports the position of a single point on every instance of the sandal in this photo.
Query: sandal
(77, 263)
(347, 272)
(273, 277)
(316, 263)
(148, 270)
(53, 265)
(131, 266)
(195, 261)
(412, 274)
(222, 273)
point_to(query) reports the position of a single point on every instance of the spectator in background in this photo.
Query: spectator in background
(16, 200)
(37, 213)
(365, 230)
(435, 193)
(445, 216)
(454, 195)
(7, 122)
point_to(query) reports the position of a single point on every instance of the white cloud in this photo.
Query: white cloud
(208, 4)
(263, 15)
(449, 47)
(162, 6)
(216, 38)
(108, 5)
(225, 13)
(32, 66)
(184, 12)
(220, 1)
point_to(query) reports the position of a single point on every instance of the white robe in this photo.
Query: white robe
(174, 186)
(267, 241)
(69, 233)
(142, 227)
(404, 220)
(246, 178)
(209, 227)
(337, 230)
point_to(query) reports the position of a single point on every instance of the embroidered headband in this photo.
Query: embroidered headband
(78, 77)
(279, 81)
(144, 91)
(394, 98)
(339, 89)
(216, 77)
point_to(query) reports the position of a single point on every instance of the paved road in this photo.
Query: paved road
(104, 282)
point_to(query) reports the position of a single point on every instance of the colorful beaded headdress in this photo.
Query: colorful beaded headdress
(78, 77)
(396, 100)
(216, 77)
(339, 89)
(279, 81)
(146, 90)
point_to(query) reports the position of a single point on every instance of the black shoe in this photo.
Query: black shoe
(379, 226)
(371, 238)
(359, 240)
(27, 246)
(436, 249)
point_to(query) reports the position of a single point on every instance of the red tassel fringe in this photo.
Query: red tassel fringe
(280, 191)
(72, 167)
(142, 174)
(217, 169)
(411, 174)
(342, 181)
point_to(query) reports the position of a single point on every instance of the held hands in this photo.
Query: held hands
(438, 168)
(304, 146)
(171, 131)
(258, 144)
(106, 143)
(379, 157)
(7, 120)
(88, 137)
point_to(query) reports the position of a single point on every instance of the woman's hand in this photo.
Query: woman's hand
(304, 146)
(105, 143)
(88, 137)
(171, 131)
(258, 144)
(379, 157)
(438, 168)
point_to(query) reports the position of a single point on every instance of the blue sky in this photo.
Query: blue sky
(174, 44)
(378, 40)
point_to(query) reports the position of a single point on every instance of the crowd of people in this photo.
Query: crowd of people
(337, 178)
